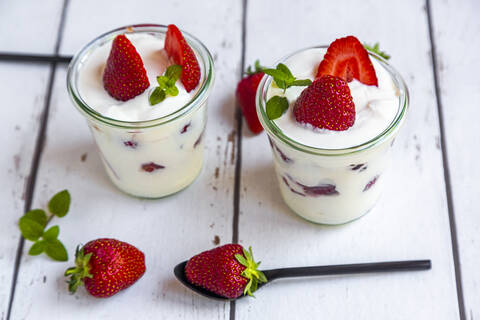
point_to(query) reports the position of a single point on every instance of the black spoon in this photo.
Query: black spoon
(274, 274)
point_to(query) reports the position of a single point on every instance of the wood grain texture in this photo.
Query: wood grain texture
(457, 47)
(20, 113)
(29, 26)
(411, 219)
(169, 230)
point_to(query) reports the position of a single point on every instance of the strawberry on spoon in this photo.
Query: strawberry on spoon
(125, 76)
(181, 53)
(105, 267)
(347, 58)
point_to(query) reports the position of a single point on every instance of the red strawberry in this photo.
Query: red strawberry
(347, 58)
(106, 266)
(124, 77)
(326, 103)
(228, 271)
(181, 53)
(246, 92)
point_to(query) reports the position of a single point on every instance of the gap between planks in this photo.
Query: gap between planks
(39, 144)
(446, 168)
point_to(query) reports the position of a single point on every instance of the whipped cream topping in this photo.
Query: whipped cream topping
(155, 60)
(375, 107)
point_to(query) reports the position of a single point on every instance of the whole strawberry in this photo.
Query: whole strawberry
(182, 54)
(327, 103)
(105, 267)
(125, 76)
(246, 92)
(228, 271)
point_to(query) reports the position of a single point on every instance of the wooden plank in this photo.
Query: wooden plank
(22, 91)
(29, 26)
(411, 220)
(167, 230)
(457, 44)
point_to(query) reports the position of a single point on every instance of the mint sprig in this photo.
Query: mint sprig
(376, 49)
(283, 77)
(33, 223)
(276, 107)
(166, 85)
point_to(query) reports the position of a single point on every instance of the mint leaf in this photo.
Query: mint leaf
(276, 106)
(376, 49)
(171, 91)
(52, 233)
(301, 83)
(60, 203)
(283, 77)
(38, 216)
(157, 96)
(56, 250)
(37, 248)
(174, 72)
(162, 82)
(30, 229)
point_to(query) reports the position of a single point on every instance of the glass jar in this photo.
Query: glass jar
(153, 158)
(331, 186)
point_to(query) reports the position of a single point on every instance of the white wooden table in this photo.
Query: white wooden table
(429, 210)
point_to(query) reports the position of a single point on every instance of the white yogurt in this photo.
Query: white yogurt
(155, 60)
(375, 107)
(334, 189)
(147, 162)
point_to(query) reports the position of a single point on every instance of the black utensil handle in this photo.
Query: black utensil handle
(34, 58)
(348, 269)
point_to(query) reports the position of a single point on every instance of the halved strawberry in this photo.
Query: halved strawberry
(347, 58)
(178, 49)
(125, 76)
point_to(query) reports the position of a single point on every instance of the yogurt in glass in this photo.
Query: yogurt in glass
(147, 151)
(333, 177)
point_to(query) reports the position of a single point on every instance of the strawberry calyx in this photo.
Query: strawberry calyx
(256, 69)
(251, 272)
(81, 270)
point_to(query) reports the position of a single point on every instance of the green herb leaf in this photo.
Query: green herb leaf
(60, 203)
(157, 96)
(162, 82)
(52, 233)
(56, 250)
(31, 230)
(174, 72)
(37, 248)
(301, 83)
(38, 216)
(376, 49)
(171, 91)
(283, 77)
(276, 106)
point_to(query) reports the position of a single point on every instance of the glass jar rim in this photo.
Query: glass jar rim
(198, 99)
(273, 129)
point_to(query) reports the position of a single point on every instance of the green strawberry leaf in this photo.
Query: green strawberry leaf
(258, 68)
(51, 233)
(241, 259)
(276, 106)
(37, 215)
(157, 96)
(56, 250)
(30, 229)
(37, 248)
(60, 203)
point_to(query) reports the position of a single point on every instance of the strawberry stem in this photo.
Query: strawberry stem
(251, 272)
(80, 271)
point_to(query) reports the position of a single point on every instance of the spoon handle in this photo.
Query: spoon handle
(348, 269)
